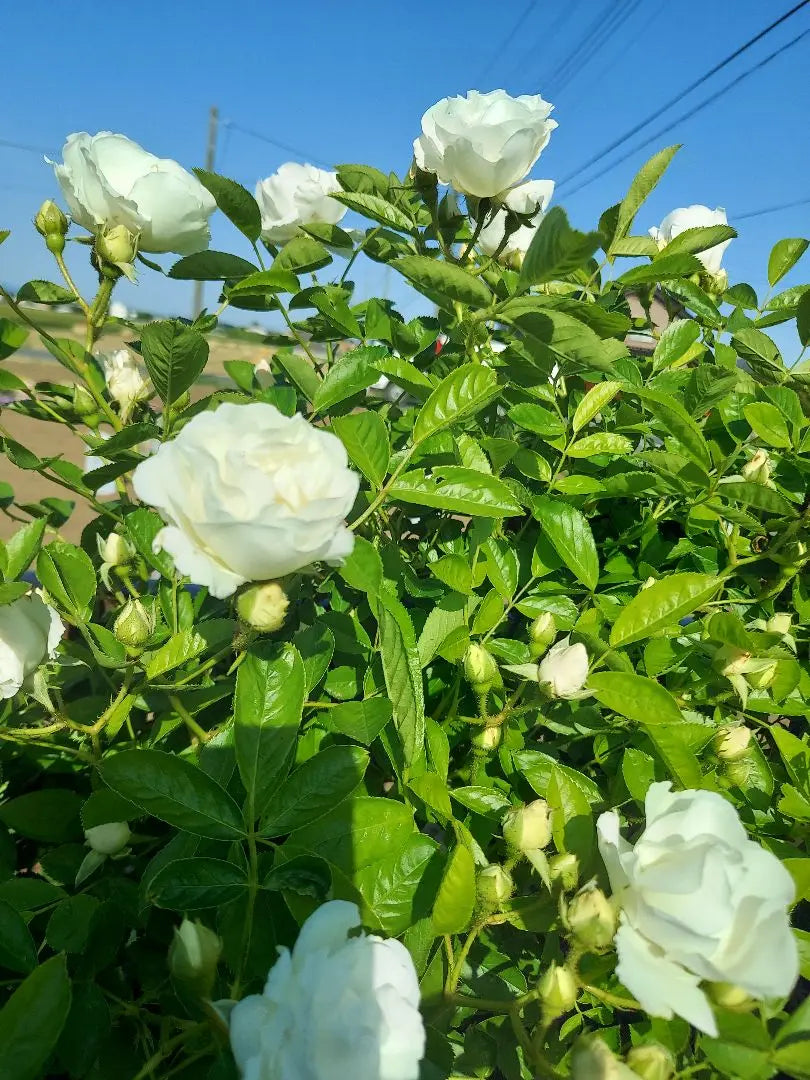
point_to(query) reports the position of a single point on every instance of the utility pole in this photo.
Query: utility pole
(210, 158)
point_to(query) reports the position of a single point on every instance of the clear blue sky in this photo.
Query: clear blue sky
(349, 81)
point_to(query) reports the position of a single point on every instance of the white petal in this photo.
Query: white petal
(328, 927)
(661, 987)
(196, 564)
(612, 845)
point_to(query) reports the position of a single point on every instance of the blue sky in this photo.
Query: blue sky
(350, 81)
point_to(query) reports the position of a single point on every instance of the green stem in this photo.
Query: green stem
(148, 1071)
(71, 284)
(492, 1005)
(253, 888)
(301, 340)
(383, 492)
(192, 725)
(611, 999)
(457, 968)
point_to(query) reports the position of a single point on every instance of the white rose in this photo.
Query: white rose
(693, 217)
(126, 384)
(250, 495)
(564, 669)
(334, 1007)
(699, 901)
(108, 179)
(297, 195)
(108, 839)
(483, 144)
(30, 631)
(530, 198)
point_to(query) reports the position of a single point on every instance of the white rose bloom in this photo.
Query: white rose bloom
(108, 839)
(483, 144)
(693, 217)
(108, 179)
(530, 198)
(297, 195)
(30, 631)
(126, 384)
(564, 669)
(250, 495)
(699, 900)
(334, 1007)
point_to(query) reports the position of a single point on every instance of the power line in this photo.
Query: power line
(770, 209)
(687, 90)
(687, 115)
(618, 20)
(654, 13)
(592, 31)
(507, 41)
(38, 150)
(547, 34)
(302, 154)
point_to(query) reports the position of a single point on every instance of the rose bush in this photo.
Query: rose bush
(314, 742)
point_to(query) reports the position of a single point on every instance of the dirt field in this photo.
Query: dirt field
(33, 364)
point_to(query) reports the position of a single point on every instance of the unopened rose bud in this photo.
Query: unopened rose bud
(652, 1061)
(117, 247)
(763, 675)
(731, 743)
(592, 918)
(108, 839)
(528, 828)
(564, 669)
(494, 886)
(264, 607)
(541, 634)
(194, 955)
(758, 469)
(592, 1059)
(488, 738)
(731, 661)
(51, 223)
(779, 623)
(564, 868)
(558, 991)
(83, 402)
(134, 625)
(114, 549)
(729, 996)
(480, 669)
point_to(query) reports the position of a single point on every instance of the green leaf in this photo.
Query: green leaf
(18, 951)
(315, 789)
(664, 603)
(359, 720)
(758, 349)
(742, 1049)
(365, 437)
(662, 268)
(784, 256)
(12, 336)
(694, 298)
(354, 371)
(556, 250)
(802, 320)
(32, 1019)
(455, 900)
(175, 356)
(194, 884)
(679, 424)
(676, 344)
(460, 394)
(698, 239)
(453, 570)
(542, 422)
(316, 646)
(173, 790)
(69, 926)
(445, 279)
(394, 891)
(602, 442)
(635, 697)
(594, 401)
(211, 266)
(67, 574)
(300, 370)
(571, 536)
(768, 423)
(485, 801)
(22, 547)
(757, 495)
(268, 704)
(363, 569)
(142, 527)
(235, 202)
(302, 254)
(263, 282)
(460, 491)
(45, 292)
(403, 675)
(433, 792)
(643, 183)
(50, 815)
(571, 818)
(376, 208)
(180, 648)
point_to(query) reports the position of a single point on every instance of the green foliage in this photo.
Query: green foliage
(527, 459)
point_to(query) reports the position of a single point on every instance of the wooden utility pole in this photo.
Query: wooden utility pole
(210, 158)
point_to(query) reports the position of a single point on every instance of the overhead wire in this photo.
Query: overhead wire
(569, 62)
(547, 34)
(685, 91)
(286, 147)
(627, 43)
(507, 41)
(685, 116)
(618, 20)
(771, 209)
(38, 150)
